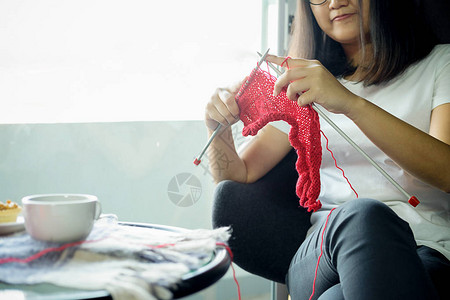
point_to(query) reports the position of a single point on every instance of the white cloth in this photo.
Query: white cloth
(120, 259)
(411, 97)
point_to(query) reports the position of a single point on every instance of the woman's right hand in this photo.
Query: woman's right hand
(222, 107)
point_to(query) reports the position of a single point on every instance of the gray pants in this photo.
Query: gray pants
(269, 228)
(368, 253)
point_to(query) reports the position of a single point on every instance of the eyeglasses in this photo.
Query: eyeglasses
(317, 2)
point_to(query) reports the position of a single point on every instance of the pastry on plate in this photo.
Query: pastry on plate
(9, 211)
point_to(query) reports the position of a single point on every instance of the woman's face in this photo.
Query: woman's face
(340, 20)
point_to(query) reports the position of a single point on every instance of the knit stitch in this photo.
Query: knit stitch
(258, 107)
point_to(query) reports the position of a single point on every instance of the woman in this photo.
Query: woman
(384, 81)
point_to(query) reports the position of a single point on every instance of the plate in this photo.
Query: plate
(7, 228)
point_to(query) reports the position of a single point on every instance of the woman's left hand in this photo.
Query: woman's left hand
(309, 81)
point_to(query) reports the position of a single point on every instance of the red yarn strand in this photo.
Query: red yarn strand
(232, 267)
(45, 251)
(285, 61)
(320, 256)
(335, 163)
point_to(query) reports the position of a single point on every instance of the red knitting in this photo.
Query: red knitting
(258, 107)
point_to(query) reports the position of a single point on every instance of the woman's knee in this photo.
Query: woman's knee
(367, 209)
(225, 203)
(368, 216)
(333, 293)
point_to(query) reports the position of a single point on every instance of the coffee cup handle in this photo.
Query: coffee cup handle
(98, 210)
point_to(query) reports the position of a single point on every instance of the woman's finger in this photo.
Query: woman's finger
(218, 109)
(305, 98)
(297, 88)
(288, 62)
(278, 60)
(229, 100)
(291, 75)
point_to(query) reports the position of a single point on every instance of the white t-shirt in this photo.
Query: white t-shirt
(410, 97)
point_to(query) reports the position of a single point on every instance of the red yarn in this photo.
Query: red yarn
(232, 268)
(45, 251)
(336, 165)
(285, 61)
(320, 256)
(258, 107)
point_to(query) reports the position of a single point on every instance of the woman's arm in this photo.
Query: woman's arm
(440, 123)
(425, 156)
(266, 149)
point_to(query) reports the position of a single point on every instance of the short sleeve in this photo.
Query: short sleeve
(442, 83)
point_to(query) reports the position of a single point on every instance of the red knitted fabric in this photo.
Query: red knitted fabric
(258, 107)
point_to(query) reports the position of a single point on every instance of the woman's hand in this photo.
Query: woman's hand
(222, 107)
(309, 81)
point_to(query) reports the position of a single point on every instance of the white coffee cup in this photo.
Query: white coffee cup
(60, 217)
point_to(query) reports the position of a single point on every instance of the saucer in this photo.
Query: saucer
(11, 227)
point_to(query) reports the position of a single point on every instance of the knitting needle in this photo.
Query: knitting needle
(198, 160)
(411, 199)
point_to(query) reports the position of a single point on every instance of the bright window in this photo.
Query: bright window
(116, 60)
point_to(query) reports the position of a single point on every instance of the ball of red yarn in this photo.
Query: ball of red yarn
(258, 107)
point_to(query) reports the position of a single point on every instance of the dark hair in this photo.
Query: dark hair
(398, 34)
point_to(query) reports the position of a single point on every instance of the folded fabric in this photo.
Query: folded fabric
(130, 262)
